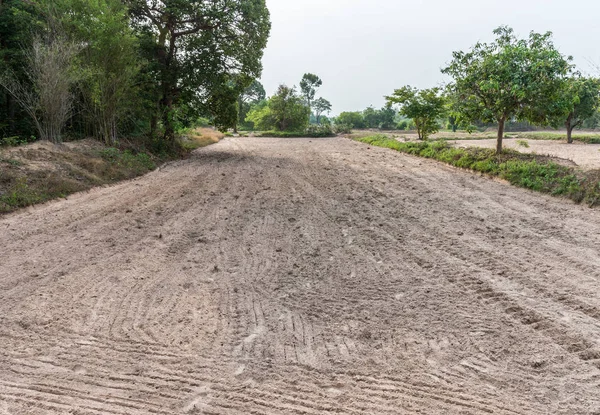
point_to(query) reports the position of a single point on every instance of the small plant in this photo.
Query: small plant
(12, 162)
(523, 143)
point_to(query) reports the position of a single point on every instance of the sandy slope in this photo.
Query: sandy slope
(297, 276)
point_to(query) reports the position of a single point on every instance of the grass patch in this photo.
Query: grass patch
(192, 139)
(40, 172)
(524, 170)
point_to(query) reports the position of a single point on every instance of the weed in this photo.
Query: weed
(523, 143)
(12, 162)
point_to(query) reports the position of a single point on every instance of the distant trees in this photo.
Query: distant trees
(352, 119)
(424, 107)
(509, 78)
(579, 101)
(251, 96)
(308, 87)
(284, 111)
(321, 106)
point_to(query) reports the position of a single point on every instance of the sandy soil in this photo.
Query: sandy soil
(587, 156)
(297, 276)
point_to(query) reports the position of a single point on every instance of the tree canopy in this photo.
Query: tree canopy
(284, 111)
(579, 101)
(197, 46)
(308, 87)
(424, 107)
(510, 78)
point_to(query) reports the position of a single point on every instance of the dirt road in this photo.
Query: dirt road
(297, 276)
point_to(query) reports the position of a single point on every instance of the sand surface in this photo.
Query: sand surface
(586, 156)
(301, 276)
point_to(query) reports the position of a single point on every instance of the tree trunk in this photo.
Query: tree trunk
(570, 127)
(501, 122)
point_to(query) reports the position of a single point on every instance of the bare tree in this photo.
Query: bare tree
(46, 93)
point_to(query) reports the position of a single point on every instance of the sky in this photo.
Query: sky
(364, 49)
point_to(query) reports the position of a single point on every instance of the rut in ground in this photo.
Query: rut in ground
(301, 276)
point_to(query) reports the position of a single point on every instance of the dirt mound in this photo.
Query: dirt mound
(42, 171)
(301, 276)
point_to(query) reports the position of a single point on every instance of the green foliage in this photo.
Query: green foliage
(308, 87)
(523, 170)
(579, 101)
(383, 119)
(284, 111)
(523, 143)
(251, 96)
(19, 195)
(138, 163)
(424, 107)
(321, 106)
(194, 47)
(508, 79)
(353, 119)
(342, 128)
(323, 130)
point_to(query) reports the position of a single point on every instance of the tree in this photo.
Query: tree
(424, 107)
(353, 119)
(580, 101)
(19, 24)
(371, 117)
(46, 93)
(387, 117)
(195, 45)
(251, 96)
(508, 79)
(308, 86)
(109, 59)
(321, 106)
(284, 111)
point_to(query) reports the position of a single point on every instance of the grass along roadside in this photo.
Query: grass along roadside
(530, 171)
(42, 171)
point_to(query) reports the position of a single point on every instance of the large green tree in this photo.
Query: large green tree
(423, 106)
(109, 60)
(507, 79)
(196, 45)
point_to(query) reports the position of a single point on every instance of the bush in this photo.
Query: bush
(319, 131)
(342, 128)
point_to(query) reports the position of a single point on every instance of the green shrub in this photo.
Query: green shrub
(323, 130)
(523, 170)
(342, 128)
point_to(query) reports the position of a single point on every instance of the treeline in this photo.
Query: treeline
(289, 110)
(114, 68)
(508, 81)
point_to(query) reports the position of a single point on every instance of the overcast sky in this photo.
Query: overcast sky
(364, 49)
